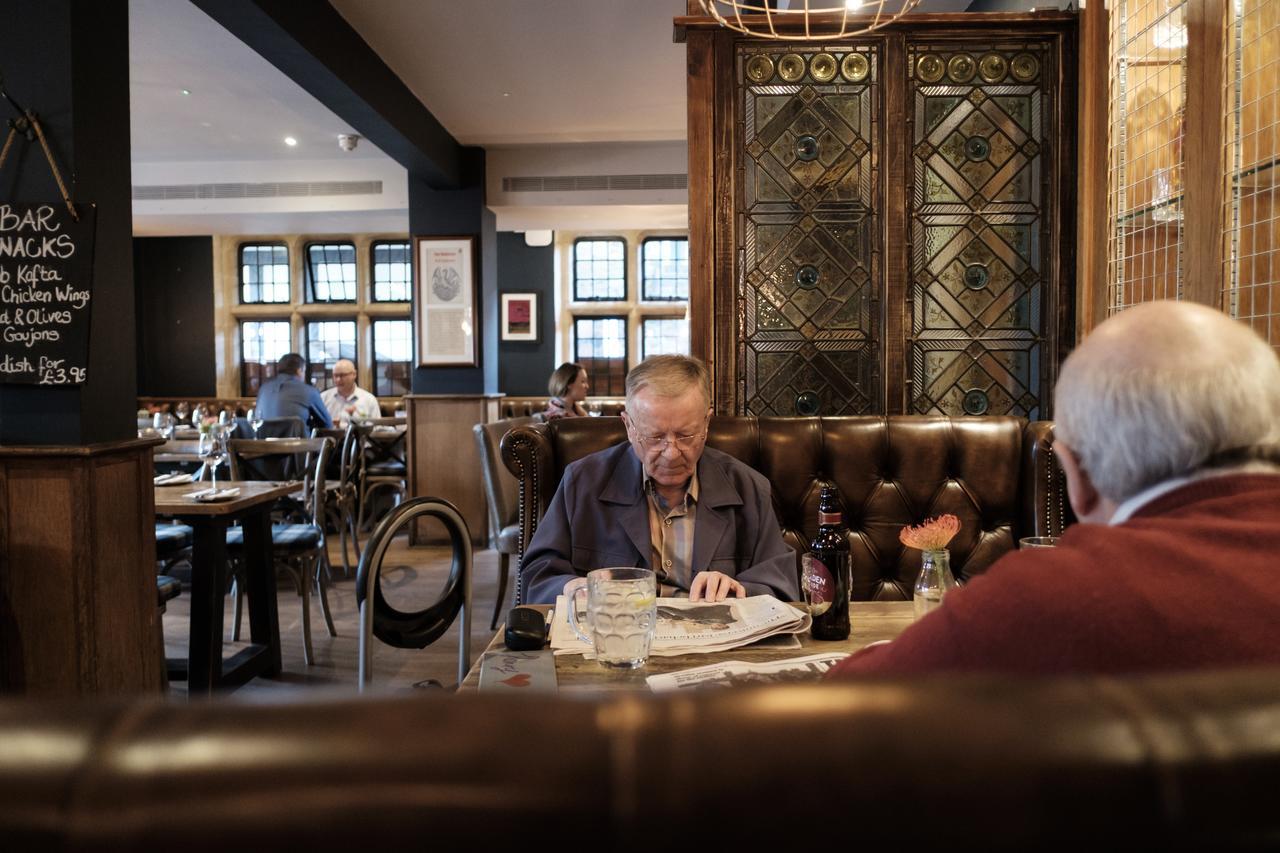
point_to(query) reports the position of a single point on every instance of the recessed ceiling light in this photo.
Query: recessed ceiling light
(290, 141)
(186, 91)
(506, 94)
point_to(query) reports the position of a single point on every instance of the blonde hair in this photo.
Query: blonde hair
(669, 376)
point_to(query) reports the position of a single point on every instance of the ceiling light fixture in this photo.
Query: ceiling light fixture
(814, 20)
(186, 91)
(290, 141)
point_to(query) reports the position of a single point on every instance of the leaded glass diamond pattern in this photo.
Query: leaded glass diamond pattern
(977, 286)
(809, 214)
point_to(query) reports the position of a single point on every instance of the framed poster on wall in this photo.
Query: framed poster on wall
(519, 317)
(444, 287)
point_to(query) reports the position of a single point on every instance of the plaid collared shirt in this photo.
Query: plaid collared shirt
(671, 537)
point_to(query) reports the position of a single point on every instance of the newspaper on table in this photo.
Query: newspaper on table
(687, 627)
(738, 673)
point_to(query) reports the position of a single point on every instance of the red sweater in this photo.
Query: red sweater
(1191, 581)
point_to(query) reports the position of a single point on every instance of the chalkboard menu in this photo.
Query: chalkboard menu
(46, 282)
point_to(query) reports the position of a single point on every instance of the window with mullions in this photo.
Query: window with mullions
(262, 343)
(664, 336)
(664, 268)
(600, 346)
(264, 273)
(331, 272)
(392, 352)
(599, 269)
(328, 341)
(392, 272)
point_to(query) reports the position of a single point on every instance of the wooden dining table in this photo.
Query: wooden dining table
(205, 668)
(871, 621)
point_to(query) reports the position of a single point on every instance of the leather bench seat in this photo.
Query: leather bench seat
(997, 474)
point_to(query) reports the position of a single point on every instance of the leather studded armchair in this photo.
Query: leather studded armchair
(997, 474)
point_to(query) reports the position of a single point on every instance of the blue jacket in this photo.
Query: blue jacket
(286, 396)
(599, 518)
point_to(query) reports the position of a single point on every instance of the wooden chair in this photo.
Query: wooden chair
(298, 542)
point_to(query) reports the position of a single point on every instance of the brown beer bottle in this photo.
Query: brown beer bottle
(827, 580)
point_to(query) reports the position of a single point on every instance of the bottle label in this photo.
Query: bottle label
(829, 518)
(819, 586)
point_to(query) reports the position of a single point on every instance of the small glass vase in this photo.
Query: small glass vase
(934, 581)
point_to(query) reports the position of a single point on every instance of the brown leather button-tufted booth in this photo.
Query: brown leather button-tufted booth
(1177, 762)
(996, 474)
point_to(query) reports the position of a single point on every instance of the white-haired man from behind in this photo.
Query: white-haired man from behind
(1168, 430)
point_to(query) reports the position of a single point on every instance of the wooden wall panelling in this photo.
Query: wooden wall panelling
(728, 306)
(1091, 188)
(1205, 165)
(77, 571)
(1061, 298)
(700, 88)
(895, 306)
(443, 459)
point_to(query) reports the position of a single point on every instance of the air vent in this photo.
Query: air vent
(284, 189)
(589, 183)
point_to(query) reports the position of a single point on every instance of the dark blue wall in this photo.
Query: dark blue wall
(523, 368)
(68, 62)
(460, 213)
(173, 287)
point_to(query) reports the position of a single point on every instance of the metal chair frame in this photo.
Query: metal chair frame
(312, 567)
(421, 628)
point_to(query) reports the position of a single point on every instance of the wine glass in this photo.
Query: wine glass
(593, 408)
(164, 424)
(213, 450)
(256, 420)
(182, 410)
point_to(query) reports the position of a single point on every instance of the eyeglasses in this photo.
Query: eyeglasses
(659, 443)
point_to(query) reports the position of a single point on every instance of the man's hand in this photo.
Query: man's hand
(714, 586)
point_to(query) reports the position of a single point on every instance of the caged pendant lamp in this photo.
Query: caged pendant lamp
(806, 20)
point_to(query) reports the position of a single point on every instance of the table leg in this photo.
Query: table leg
(208, 591)
(264, 618)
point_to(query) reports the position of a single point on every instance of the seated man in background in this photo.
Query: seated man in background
(702, 520)
(1168, 430)
(346, 400)
(288, 395)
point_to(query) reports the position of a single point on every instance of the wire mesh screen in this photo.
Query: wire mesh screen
(1148, 94)
(1252, 107)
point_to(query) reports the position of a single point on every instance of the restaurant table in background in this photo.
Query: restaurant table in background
(178, 450)
(205, 668)
(872, 621)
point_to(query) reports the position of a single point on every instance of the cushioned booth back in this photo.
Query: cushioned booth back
(523, 407)
(995, 473)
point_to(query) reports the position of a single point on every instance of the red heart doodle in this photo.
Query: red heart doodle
(521, 680)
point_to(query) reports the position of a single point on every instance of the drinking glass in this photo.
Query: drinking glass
(622, 610)
(182, 410)
(213, 449)
(593, 408)
(1038, 542)
(256, 421)
(162, 422)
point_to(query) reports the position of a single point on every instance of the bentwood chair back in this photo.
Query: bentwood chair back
(417, 629)
(342, 489)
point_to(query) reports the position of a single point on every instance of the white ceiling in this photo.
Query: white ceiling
(548, 75)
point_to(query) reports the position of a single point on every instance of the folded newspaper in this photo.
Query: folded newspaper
(686, 627)
(738, 673)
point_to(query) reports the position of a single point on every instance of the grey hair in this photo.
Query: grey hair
(1132, 427)
(669, 376)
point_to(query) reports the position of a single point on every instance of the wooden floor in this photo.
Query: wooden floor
(412, 578)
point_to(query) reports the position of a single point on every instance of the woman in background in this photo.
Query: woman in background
(568, 388)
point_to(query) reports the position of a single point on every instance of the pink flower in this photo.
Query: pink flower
(932, 535)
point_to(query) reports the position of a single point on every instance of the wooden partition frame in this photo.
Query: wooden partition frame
(712, 192)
